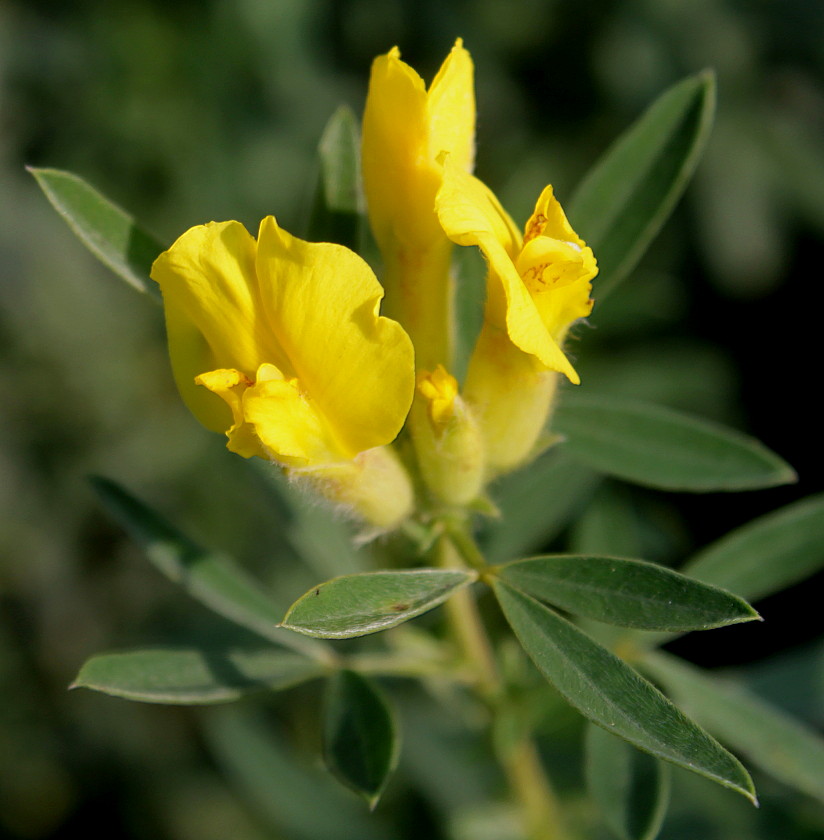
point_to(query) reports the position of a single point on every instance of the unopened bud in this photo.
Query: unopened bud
(447, 439)
(373, 487)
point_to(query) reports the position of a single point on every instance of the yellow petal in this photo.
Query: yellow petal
(556, 267)
(527, 330)
(564, 306)
(450, 107)
(190, 355)
(440, 389)
(471, 215)
(549, 219)
(212, 306)
(285, 422)
(398, 178)
(231, 385)
(405, 130)
(321, 301)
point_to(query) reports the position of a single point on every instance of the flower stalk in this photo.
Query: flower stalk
(519, 760)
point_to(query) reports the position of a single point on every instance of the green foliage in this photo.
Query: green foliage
(110, 233)
(610, 693)
(356, 605)
(360, 740)
(779, 744)
(620, 206)
(211, 578)
(768, 554)
(629, 593)
(631, 788)
(338, 212)
(195, 676)
(536, 503)
(661, 448)
(292, 796)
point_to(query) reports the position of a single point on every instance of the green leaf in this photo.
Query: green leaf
(630, 787)
(337, 215)
(658, 447)
(283, 788)
(629, 593)
(630, 192)
(355, 605)
(793, 680)
(360, 741)
(469, 293)
(213, 579)
(535, 504)
(110, 233)
(194, 676)
(768, 554)
(608, 692)
(610, 524)
(771, 739)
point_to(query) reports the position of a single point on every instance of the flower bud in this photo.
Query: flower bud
(447, 439)
(373, 487)
(405, 129)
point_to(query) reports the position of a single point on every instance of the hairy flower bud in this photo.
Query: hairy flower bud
(447, 439)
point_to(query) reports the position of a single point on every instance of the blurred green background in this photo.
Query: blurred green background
(210, 109)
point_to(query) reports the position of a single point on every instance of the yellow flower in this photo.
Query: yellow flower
(279, 343)
(538, 285)
(405, 130)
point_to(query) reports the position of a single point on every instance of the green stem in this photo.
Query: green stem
(539, 805)
(520, 761)
(467, 628)
(465, 545)
(391, 665)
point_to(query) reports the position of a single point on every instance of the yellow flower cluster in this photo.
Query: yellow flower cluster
(280, 343)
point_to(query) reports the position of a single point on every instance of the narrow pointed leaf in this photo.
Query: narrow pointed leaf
(360, 740)
(630, 787)
(629, 593)
(610, 693)
(211, 578)
(630, 192)
(657, 447)
(793, 680)
(338, 211)
(772, 740)
(768, 554)
(355, 605)
(609, 525)
(535, 504)
(294, 798)
(194, 676)
(110, 233)
(469, 296)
